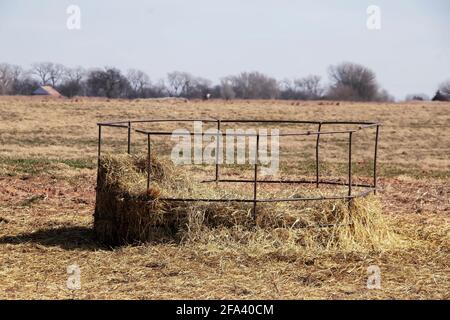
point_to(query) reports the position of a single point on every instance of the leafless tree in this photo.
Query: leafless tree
(108, 82)
(226, 90)
(139, 81)
(350, 81)
(184, 84)
(74, 74)
(178, 82)
(72, 83)
(9, 75)
(309, 87)
(198, 88)
(384, 96)
(254, 85)
(444, 88)
(158, 89)
(48, 72)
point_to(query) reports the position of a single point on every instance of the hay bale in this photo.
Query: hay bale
(126, 212)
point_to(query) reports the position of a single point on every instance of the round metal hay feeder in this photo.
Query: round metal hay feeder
(130, 126)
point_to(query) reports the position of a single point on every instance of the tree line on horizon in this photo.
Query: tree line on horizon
(347, 81)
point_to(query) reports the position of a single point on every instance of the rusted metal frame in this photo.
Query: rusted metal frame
(288, 134)
(255, 200)
(99, 148)
(350, 163)
(305, 181)
(317, 154)
(366, 126)
(295, 121)
(356, 195)
(255, 180)
(310, 133)
(349, 122)
(125, 122)
(168, 133)
(149, 161)
(375, 160)
(129, 138)
(106, 124)
(239, 121)
(217, 149)
(269, 121)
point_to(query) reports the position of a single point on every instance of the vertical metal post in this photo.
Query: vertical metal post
(99, 144)
(350, 163)
(317, 154)
(149, 164)
(255, 178)
(99, 153)
(217, 151)
(129, 137)
(375, 161)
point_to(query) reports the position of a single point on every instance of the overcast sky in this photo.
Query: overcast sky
(211, 38)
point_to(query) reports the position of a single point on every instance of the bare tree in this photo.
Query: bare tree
(352, 81)
(74, 74)
(48, 73)
(73, 84)
(254, 85)
(226, 90)
(108, 82)
(309, 87)
(139, 81)
(444, 88)
(288, 90)
(41, 70)
(384, 96)
(178, 82)
(198, 87)
(9, 75)
(158, 89)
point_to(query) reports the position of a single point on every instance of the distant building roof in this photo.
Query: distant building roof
(46, 91)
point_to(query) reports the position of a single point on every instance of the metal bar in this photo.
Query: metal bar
(341, 183)
(366, 126)
(361, 194)
(129, 138)
(350, 164)
(269, 121)
(255, 178)
(295, 121)
(113, 125)
(358, 195)
(217, 150)
(362, 123)
(149, 164)
(206, 200)
(287, 134)
(118, 123)
(375, 161)
(317, 155)
(99, 144)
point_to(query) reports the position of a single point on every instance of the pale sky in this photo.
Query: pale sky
(212, 39)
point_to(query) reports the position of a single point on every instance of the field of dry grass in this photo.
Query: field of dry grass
(47, 197)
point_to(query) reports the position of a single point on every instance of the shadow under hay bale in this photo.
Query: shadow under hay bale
(126, 212)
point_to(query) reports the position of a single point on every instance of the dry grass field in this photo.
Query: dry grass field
(47, 196)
